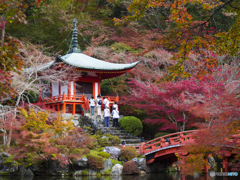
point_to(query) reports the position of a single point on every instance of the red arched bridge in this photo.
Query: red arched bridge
(166, 148)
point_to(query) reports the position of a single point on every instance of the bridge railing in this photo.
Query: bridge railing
(164, 141)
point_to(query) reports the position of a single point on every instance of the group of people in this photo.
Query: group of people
(106, 112)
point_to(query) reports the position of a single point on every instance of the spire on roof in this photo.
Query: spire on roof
(74, 39)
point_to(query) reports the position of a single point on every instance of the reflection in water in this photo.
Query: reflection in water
(150, 176)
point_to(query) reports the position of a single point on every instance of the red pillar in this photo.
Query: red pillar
(64, 96)
(64, 107)
(206, 168)
(93, 86)
(123, 144)
(225, 164)
(59, 88)
(99, 87)
(142, 146)
(73, 112)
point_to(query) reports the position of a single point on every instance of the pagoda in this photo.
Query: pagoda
(72, 96)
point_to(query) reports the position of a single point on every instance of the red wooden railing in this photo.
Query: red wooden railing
(112, 98)
(63, 97)
(82, 99)
(184, 137)
(179, 138)
(75, 97)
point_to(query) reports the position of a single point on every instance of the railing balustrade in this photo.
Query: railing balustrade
(164, 141)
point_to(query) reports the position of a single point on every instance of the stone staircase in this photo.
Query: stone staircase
(98, 125)
(95, 124)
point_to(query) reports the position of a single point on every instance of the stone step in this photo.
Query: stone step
(132, 144)
(124, 136)
(132, 141)
(112, 129)
(120, 134)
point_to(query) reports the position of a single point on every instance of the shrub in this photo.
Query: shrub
(98, 175)
(93, 144)
(131, 125)
(95, 162)
(104, 154)
(107, 172)
(103, 142)
(160, 134)
(113, 140)
(85, 172)
(130, 167)
(110, 140)
(116, 162)
(128, 153)
(101, 149)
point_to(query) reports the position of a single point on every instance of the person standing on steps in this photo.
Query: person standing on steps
(99, 104)
(115, 105)
(92, 105)
(106, 115)
(105, 102)
(115, 115)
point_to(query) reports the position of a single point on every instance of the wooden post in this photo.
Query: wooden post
(99, 87)
(58, 107)
(207, 167)
(93, 87)
(64, 107)
(64, 96)
(123, 144)
(59, 88)
(142, 145)
(73, 113)
(225, 164)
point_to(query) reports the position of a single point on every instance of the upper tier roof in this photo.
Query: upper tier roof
(83, 61)
(79, 60)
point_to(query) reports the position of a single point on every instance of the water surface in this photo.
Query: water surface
(149, 176)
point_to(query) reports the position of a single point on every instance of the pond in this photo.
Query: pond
(149, 176)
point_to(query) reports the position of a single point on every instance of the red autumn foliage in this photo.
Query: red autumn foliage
(95, 162)
(130, 167)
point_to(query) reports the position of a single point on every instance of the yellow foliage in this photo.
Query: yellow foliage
(37, 123)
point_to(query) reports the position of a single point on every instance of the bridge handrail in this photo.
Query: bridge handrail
(169, 135)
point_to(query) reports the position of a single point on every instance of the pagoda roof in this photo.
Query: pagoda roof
(83, 61)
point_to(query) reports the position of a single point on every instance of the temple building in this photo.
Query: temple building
(72, 96)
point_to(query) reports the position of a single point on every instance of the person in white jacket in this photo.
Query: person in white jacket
(99, 104)
(115, 105)
(105, 102)
(106, 115)
(92, 105)
(115, 115)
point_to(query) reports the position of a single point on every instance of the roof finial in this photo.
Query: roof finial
(74, 39)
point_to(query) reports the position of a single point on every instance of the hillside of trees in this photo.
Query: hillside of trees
(188, 76)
